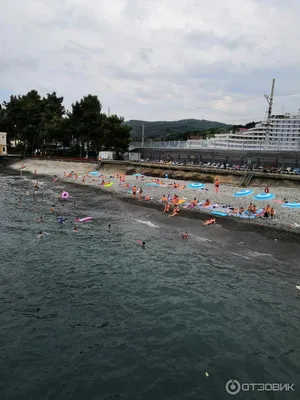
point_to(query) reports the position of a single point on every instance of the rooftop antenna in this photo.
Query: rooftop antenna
(270, 102)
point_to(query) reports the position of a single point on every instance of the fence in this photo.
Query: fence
(254, 145)
(74, 159)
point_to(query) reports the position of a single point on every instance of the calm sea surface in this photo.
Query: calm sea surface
(92, 316)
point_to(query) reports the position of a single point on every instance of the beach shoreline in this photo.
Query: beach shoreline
(274, 229)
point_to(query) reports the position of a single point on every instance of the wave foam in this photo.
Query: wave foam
(257, 254)
(240, 255)
(149, 223)
(200, 238)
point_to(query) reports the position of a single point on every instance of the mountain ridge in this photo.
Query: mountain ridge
(162, 129)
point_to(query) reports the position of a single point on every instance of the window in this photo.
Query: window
(3, 149)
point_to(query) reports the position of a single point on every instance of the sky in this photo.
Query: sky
(155, 60)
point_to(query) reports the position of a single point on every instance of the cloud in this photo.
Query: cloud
(155, 60)
(207, 40)
(18, 64)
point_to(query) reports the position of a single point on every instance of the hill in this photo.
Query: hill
(171, 129)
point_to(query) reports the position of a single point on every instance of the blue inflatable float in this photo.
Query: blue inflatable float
(245, 192)
(196, 185)
(248, 216)
(291, 205)
(219, 213)
(264, 196)
(152, 184)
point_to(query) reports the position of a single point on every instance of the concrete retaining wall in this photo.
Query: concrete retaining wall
(260, 158)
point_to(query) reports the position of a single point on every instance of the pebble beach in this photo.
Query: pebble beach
(288, 218)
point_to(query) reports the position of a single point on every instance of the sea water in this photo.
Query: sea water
(93, 315)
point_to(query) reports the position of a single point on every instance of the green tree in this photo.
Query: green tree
(85, 119)
(32, 119)
(3, 119)
(11, 118)
(36, 121)
(52, 118)
(116, 135)
(24, 118)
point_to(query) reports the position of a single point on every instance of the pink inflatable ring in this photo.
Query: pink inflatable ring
(64, 195)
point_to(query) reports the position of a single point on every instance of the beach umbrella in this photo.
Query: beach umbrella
(291, 205)
(94, 173)
(264, 196)
(245, 192)
(196, 185)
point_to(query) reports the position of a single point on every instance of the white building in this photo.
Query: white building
(280, 132)
(3, 143)
(107, 155)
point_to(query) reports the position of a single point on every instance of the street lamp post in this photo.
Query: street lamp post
(143, 135)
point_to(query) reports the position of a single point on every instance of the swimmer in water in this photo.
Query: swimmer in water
(74, 205)
(185, 236)
(109, 226)
(75, 229)
(52, 209)
(143, 245)
(39, 219)
(40, 235)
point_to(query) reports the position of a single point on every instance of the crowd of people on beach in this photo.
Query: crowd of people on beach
(172, 204)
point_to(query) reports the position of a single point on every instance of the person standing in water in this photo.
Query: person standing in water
(185, 236)
(143, 245)
(61, 220)
(217, 185)
(140, 194)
